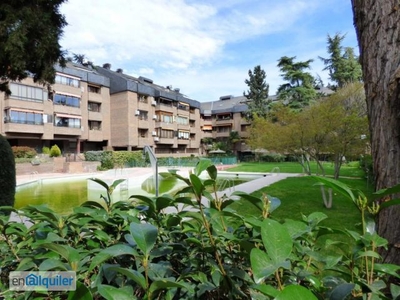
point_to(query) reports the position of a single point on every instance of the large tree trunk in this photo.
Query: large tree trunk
(377, 25)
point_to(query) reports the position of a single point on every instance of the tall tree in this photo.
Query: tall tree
(257, 93)
(378, 31)
(299, 90)
(29, 40)
(343, 64)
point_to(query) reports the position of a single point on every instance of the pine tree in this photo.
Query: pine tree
(343, 64)
(257, 94)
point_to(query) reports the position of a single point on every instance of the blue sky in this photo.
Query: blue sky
(205, 48)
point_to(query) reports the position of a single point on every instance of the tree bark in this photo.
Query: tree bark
(377, 24)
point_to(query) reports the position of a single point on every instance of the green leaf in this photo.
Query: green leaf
(389, 203)
(149, 201)
(101, 182)
(67, 252)
(337, 186)
(202, 165)
(116, 183)
(261, 265)
(197, 185)
(295, 292)
(341, 291)
(277, 241)
(368, 253)
(316, 217)
(131, 274)
(257, 202)
(267, 290)
(163, 202)
(395, 291)
(145, 236)
(52, 264)
(385, 192)
(115, 250)
(102, 236)
(112, 293)
(81, 292)
(167, 284)
(389, 269)
(212, 172)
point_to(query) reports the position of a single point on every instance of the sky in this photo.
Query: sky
(205, 47)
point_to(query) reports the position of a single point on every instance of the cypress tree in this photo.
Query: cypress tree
(7, 173)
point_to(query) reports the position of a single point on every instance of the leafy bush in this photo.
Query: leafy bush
(273, 157)
(7, 174)
(93, 155)
(107, 161)
(23, 152)
(55, 151)
(149, 248)
(46, 150)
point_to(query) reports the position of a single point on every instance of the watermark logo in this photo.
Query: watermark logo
(42, 281)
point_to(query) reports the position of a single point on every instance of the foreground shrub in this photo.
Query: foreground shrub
(23, 152)
(46, 150)
(152, 248)
(55, 151)
(7, 174)
(93, 155)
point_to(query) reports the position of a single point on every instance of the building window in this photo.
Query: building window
(143, 133)
(93, 106)
(192, 110)
(143, 115)
(223, 117)
(143, 98)
(221, 129)
(67, 100)
(182, 120)
(165, 117)
(94, 125)
(94, 89)
(192, 123)
(23, 117)
(64, 121)
(61, 79)
(166, 134)
(183, 106)
(28, 93)
(184, 135)
(244, 127)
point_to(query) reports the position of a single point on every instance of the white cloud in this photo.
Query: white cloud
(205, 47)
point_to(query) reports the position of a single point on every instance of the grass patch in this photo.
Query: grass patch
(299, 196)
(347, 170)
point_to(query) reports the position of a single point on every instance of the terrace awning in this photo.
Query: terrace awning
(68, 116)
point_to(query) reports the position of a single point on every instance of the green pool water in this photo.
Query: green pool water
(62, 195)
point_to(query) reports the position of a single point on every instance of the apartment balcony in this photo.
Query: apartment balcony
(64, 109)
(192, 116)
(221, 122)
(166, 108)
(95, 97)
(62, 130)
(24, 128)
(184, 127)
(169, 141)
(207, 134)
(222, 134)
(183, 141)
(144, 105)
(170, 126)
(24, 104)
(243, 121)
(95, 116)
(144, 123)
(95, 136)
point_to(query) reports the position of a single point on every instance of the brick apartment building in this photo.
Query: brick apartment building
(96, 109)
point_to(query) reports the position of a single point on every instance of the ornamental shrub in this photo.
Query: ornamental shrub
(23, 152)
(55, 151)
(7, 174)
(46, 150)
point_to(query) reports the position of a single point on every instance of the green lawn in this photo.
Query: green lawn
(294, 167)
(299, 196)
